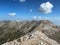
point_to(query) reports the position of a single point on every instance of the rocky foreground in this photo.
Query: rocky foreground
(34, 32)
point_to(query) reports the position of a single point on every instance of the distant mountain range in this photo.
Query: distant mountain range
(29, 33)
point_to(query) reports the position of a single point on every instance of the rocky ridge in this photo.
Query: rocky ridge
(36, 32)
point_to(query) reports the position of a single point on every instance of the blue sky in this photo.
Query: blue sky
(28, 10)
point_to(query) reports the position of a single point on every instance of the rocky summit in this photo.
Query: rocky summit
(35, 32)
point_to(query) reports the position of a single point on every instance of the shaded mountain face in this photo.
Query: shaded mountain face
(11, 30)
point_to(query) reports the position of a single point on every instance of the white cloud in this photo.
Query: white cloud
(35, 17)
(39, 17)
(46, 7)
(11, 14)
(17, 20)
(30, 10)
(45, 17)
(22, 0)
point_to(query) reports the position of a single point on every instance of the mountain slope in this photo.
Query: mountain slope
(33, 38)
(12, 30)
